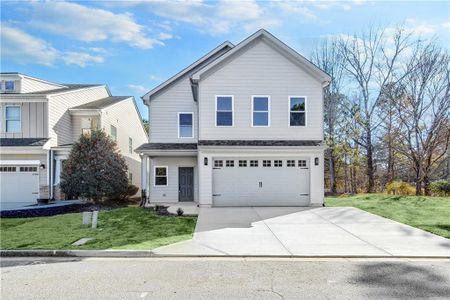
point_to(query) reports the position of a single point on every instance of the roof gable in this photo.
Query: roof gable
(275, 43)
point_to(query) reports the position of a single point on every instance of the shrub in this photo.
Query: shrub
(180, 211)
(130, 192)
(398, 187)
(95, 170)
(440, 187)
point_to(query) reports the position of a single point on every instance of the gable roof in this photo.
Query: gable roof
(66, 88)
(33, 78)
(102, 103)
(279, 45)
(204, 60)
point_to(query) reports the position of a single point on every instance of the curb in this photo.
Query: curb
(149, 253)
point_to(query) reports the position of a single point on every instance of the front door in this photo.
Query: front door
(185, 184)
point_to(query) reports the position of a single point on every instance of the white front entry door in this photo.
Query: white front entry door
(19, 183)
(251, 181)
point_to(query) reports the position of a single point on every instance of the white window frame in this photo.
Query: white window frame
(185, 113)
(260, 111)
(20, 118)
(232, 111)
(116, 138)
(289, 111)
(130, 145)
(154, 176)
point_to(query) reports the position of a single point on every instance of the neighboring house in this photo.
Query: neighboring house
(39, 122)
(242, 126)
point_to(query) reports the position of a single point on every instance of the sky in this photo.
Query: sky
(132, 46)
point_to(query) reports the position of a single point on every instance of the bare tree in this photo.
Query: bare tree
(328, 57)
(422, 101)
(370, 62)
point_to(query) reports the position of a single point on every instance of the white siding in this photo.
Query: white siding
(169, 193)
(164, 109)
(260, 70)
(30, 85)
(126, 119)
(60, 130)
(34, 120)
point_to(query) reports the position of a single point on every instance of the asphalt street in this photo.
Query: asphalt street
(223, 278)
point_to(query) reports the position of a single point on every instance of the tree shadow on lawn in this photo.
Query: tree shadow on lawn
(402, 280)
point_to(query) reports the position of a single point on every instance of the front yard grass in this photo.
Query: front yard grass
(122, 228)
(428, 213)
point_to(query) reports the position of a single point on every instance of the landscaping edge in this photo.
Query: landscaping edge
(149, 253)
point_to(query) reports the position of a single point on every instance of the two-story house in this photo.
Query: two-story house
(242, 126)
(39, 122)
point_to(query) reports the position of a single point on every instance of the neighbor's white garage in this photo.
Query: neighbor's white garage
(269, 181)
(19, 182)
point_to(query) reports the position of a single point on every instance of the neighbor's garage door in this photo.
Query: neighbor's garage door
(19, 183)
(261, 182)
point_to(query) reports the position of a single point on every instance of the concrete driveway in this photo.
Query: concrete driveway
(293, 231)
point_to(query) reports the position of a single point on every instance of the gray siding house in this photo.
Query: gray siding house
(39, 121)
(242, 126)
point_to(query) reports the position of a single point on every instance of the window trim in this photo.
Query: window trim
(110, 129)
(289, 111)
(130, 145)
(232, 111)
(154, 176)
(13, 85)
(186, 113)
(268, 109)
(6, 121)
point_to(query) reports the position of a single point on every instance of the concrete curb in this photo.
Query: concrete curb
(149, 253)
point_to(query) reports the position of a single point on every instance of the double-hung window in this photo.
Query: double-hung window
(260, 111)
(160, 176)
(297, 111)
(224, 110)
(9, 86)
(114, 133)
(13, 119)
(185, 125)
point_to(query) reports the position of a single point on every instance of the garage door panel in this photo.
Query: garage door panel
(19, 184)
(264, 185)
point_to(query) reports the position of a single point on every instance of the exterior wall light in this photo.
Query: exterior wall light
(205, 161)
(42, 167)
(316, 161)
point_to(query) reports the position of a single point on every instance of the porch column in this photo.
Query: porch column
(144, 175)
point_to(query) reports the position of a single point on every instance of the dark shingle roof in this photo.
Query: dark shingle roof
(13, 142)
(102, 103)
(167, 146)
(258, 143)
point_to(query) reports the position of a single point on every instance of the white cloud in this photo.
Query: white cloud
(24, 48)
(165, 36)
(90, 24)
(446, 24)
(156, 78)
(137, 88)
(81, 58)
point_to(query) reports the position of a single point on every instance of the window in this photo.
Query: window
(12, 119)
(130, 145)
(297, 111)
(185, 125)
(229, 163)
(9, 86)
(253, 163)
(28, 169)
(277, 163)
(130, 178)
(302, 163)
(267, 163)
(113, 133)
(87, 125)
(260, 111)
(7, 169)
(224, 110)
(160, 176)
(290, 163)
(218, 163)
(242, 163)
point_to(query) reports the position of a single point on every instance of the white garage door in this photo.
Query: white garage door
(19, 183)
(261, 181)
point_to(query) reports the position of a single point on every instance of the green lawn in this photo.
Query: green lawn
(428, 213)
(122, 228)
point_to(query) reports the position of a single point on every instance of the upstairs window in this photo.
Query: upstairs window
(9, 86)
(114, 133)
(297, 111)
(13, 119)
(224, 110)
(260, 111)
(185, 127)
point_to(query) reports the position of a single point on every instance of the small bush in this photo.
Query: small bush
(440, 187)
(399, 187)
(180, 211)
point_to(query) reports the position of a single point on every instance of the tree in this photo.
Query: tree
(95, 169)
(370, 60)
(146, 125)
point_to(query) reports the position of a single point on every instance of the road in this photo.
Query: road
(223, 278)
